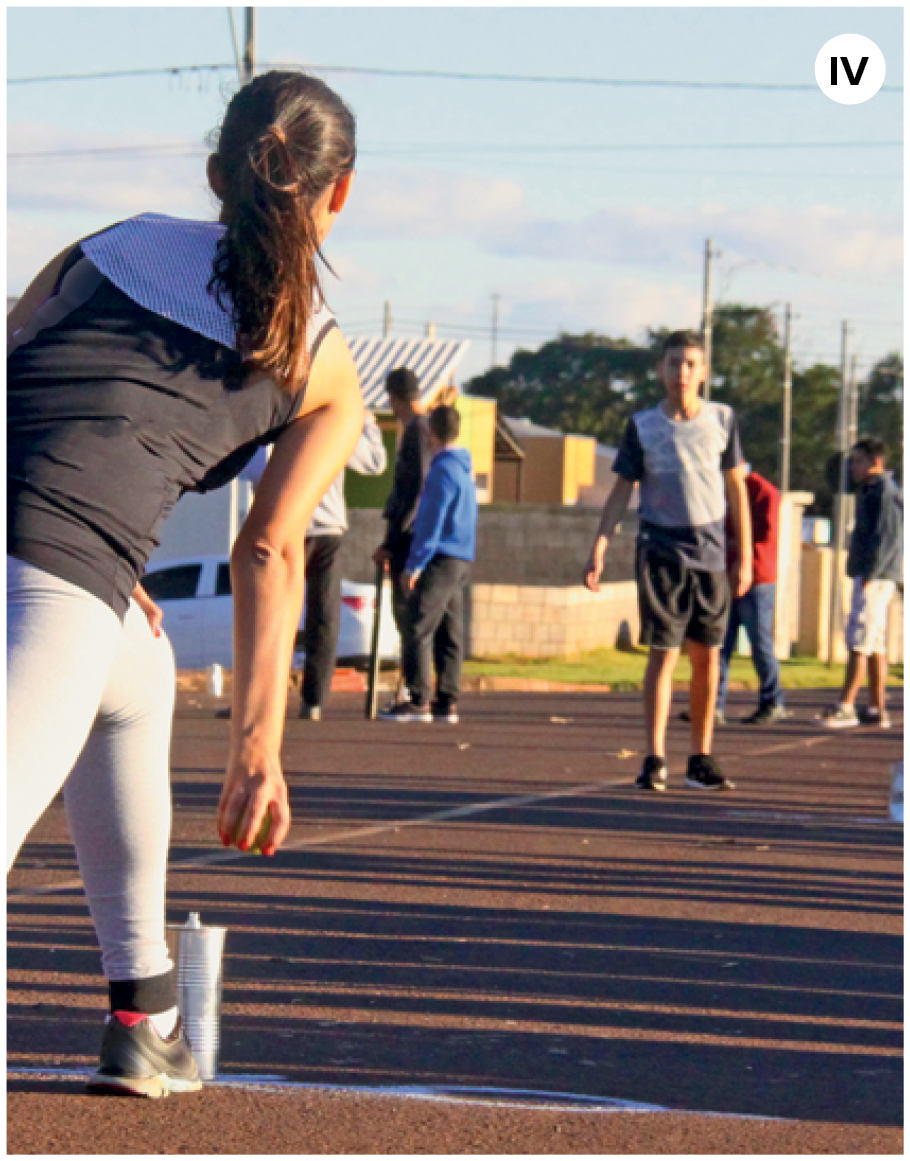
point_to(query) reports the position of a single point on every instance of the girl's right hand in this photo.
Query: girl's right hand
(254, 789)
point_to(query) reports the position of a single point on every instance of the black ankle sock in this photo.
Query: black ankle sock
(158, 994)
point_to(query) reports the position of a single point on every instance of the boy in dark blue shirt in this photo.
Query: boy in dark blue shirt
(442, 549)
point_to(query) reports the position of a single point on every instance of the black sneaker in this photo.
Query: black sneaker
(444, 711)
(704, 773)
(653, 775)
(406, 711)
(719, 719)
(766, 714)
(136, 1061)
(310, 713)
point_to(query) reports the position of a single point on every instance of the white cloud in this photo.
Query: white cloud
(29, 247)
(107, 184)
(822, 239)
(354, 275)
(495, 215)
(428, 204)
(618, 306)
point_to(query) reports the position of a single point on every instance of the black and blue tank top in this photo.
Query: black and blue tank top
(125, 390)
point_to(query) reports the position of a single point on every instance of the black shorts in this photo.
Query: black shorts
(679, 603)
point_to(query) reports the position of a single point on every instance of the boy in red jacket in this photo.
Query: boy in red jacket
(755, 609)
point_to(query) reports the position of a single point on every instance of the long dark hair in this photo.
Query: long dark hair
(285, 138)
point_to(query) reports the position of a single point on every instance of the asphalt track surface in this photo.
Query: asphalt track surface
(480, 939)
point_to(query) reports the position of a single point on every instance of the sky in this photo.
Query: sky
(580, 206)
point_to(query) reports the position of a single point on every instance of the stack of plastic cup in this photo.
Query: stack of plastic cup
(216, 680)
(197, 953)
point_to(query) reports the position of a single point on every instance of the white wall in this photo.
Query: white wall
(204, 525)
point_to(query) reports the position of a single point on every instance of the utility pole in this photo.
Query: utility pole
(494, 329)
(249, 45)
(386, 320)
(786, 421)
(707, 311)
(853, 424)
(835, 616)
(235, 45)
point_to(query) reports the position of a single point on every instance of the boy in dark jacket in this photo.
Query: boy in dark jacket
(411, 466)
(442, 549)
(875, 564)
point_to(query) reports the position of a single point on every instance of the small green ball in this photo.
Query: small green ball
(261, 838)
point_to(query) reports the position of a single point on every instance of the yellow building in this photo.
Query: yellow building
(433, 361)
(554, 469)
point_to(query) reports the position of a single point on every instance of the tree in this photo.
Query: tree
(592, 384)
(587, 384)
(881, 407)
(747, 372)
(814, 433)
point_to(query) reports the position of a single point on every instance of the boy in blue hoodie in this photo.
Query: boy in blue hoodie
(443, 546)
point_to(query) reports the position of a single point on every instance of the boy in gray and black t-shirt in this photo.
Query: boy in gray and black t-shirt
(685, 455)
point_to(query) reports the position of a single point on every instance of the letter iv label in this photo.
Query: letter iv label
(850, 69)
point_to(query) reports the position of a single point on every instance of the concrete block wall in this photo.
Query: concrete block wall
(549, 621)
(516, 545)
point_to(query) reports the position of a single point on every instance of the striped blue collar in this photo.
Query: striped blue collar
(164, 264)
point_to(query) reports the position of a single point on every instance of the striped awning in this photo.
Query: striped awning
(431, 360)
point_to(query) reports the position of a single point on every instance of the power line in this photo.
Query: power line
(434, 74)
(190, 149)
(637, 147)
(113, 151)
(816, 274)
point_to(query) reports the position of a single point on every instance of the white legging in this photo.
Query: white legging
(90, 705)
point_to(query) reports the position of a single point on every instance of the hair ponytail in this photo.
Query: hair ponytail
(285, 138)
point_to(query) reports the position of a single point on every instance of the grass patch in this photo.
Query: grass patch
(626, 670)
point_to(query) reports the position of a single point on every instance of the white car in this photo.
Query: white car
(195, 596)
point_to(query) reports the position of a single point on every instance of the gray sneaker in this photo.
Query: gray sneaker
(136, 1061)
(842, 717)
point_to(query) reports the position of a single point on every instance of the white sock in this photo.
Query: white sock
(164, 1023)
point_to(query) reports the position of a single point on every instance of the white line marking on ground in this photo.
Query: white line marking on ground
(229, 856)
(828, 819)
(530, 1100)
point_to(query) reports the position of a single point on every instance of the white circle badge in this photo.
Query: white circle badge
(850, 69)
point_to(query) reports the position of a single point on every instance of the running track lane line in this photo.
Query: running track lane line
(232, 855)
(502, 1098)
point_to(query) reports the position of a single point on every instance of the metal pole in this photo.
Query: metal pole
(386, 320)
(706, 317)
(849, 500)
(249, 45)
(835, 615)
(494, 329)
(234, 44)
(852, 427)
(373, 678)
(786, 419)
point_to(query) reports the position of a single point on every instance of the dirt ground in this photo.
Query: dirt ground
(480, 939)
